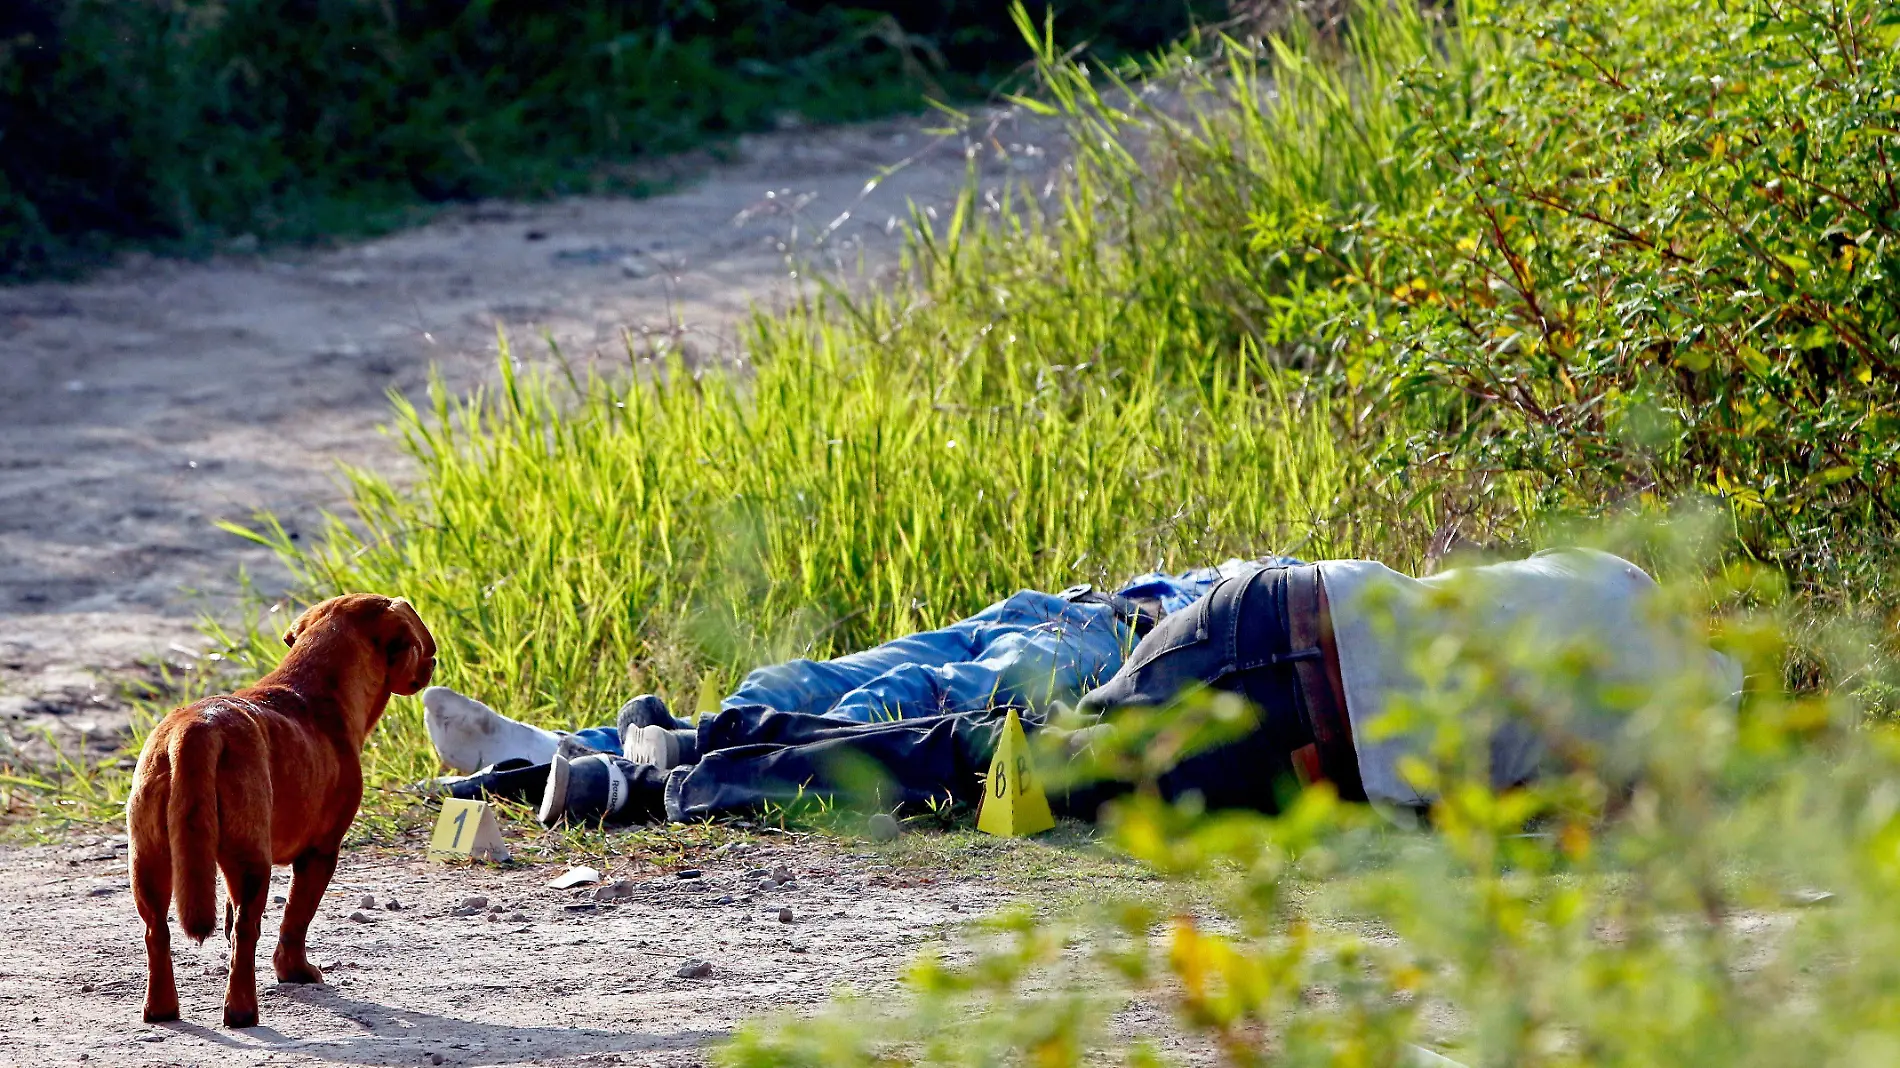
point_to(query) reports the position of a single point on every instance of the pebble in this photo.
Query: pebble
(494, 917)
(519, 917)
(359, 917)
(783, 874)
(279, 898)
(725, 899)
(368, 902)
(85, 988)
(695, 969)
(465, 911)
(151, 1038)
(101, 891)
(690, 873)
(614, 891)
(785, 914)
(766, 886)
(477, 903)
(883, 827)
(759, 873)
(393, 905)
(435, 1058)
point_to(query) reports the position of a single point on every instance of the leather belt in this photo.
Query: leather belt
(1332, 755)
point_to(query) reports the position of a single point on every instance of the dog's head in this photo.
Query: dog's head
(390, 628)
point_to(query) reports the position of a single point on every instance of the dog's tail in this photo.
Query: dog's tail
(192, 824)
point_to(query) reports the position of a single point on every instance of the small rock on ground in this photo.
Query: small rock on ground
(695, 969)
(785, 914)
(883, 827)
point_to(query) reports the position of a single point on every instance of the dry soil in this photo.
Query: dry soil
(534, 976)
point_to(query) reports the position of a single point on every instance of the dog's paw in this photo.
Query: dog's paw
(298, 972)
(160, 1013)
(235, 1018)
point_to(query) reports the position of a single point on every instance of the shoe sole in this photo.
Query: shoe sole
(554, 798)
(653, 745)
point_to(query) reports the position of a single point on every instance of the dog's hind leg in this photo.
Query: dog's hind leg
(249, 880)
(152, 893)
(310, 876)
(244, 856)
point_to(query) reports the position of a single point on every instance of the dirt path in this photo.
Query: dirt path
(554, 980)
(141, 405)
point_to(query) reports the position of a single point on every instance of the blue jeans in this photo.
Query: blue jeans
(1022, 652)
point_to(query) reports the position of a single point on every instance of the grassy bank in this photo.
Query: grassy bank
(187, 123)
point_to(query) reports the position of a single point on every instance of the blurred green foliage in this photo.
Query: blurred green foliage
(183, 121)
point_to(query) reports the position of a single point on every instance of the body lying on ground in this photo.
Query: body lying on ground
(1351, 669)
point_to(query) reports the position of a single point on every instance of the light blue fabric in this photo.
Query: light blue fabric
(1025, 651)
(1176, 592)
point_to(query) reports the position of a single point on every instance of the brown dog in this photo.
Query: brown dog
(268, 775)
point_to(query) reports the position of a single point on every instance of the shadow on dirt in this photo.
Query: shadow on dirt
(402, 1036)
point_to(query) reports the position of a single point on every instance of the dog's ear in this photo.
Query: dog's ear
(297, 626)
(411, 649)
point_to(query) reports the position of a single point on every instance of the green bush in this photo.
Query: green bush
(185, 120)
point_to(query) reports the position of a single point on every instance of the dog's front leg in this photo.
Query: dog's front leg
(309, 878)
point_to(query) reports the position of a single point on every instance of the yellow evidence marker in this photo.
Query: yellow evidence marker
(709, 697)
(1013, 802)
(467, 829)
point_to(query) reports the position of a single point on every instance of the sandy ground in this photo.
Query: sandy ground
(143, 404)
(556, 980)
